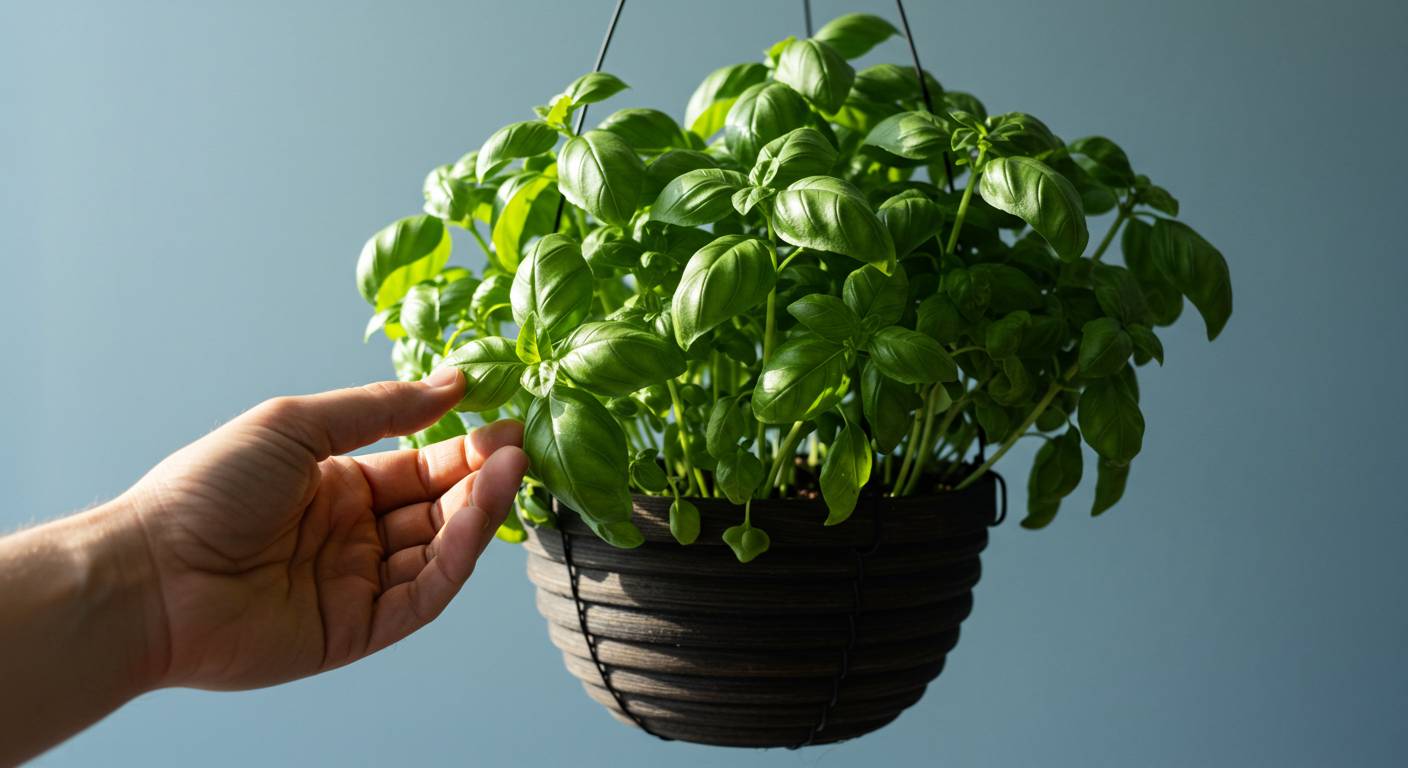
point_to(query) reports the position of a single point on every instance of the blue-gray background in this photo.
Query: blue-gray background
(185, 187)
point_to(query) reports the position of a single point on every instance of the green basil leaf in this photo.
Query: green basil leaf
(647, 474)
(709, 105)
(745, 200)
(1003, 337)
(491, 298)
(1165, 302)
(1197, 269)
(1018, 133)
(420, 313)
(910, 135)
(646, 130)
(554, 283)
(1055, 473)
(794, 155)
(887, 405)
(608, 248)
(399, 256)
(448, 426)
(853, 34)
(739, 474)
(1110, 480)
(1110, 418)
(1045, 200)
(491, 371)
(728, 424)
(844, 472)
(697, 197)
(1104, 160)
(602, 175)
(593, 87)
(1009, 288)
(815, 70)
(671, 165)
(1104, 348)
(889, 83)
(539, 378)
(578, 450)
(730, 275)
(616, 358)
(746, 541)
(827, 214)
(528, 206)
(876, 296)
(525, 139)
(1146, 342)
(684, 521)
(760, 114)
(827, 317)
(910, 357)
(969, 291)
(805, 376)
(1119, 294)
(911, 218)
(939, 319)
(1011, 385)
(1159, 199)
(451, 194)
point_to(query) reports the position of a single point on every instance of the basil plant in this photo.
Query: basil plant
(813, 284)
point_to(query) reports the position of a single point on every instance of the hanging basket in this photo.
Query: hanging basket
(829, 635)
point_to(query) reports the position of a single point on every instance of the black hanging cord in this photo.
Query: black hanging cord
(582, 116)
(807, 14)
(923, 84)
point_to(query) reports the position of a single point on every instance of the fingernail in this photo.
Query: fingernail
(442, 377)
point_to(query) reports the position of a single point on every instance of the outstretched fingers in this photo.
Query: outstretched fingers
(447, 561)
(405, 477)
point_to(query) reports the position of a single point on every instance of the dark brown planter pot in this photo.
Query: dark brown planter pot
(829, 635)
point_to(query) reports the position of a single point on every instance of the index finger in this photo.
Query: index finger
(398, 478)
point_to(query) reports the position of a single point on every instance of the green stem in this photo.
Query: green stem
(1110, 236)
(692, 475)
(474, 230)
(909, 452)
(769, 329)
(963, 204)
(928, 439)
(1051, 393)
(786, 449)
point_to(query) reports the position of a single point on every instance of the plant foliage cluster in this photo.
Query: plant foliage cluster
(813, 283)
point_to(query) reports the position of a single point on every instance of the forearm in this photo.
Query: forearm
(80, 626)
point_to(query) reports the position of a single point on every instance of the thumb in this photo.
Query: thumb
(343, 420)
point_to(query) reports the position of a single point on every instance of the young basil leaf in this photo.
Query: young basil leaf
(876, 296)
(728, 424)
(730, 275)
(602, 175)
(910, 357)
(993, 418)
(1110, 480)
(887, 405)
(827, 214)
(739, 474)
(555, 283)
(671, 165)
(1164, 300)
(608, 248)
(794, 155)
(578, 450)
(1104, 160)
(684, 521)
(1011, 385)
(910, 135)
(615, 358)
(399, 256)
(939, 319)
(491, 371)
(491, 298)
(1159, 199)
(1111, 420)
(1018, 133)
(911, 218)
(697, 197)
(538, 378)
(1146, 343)
(1119, 294)
(511, 529)
(845, 471)
(1003, 337)
(451, 194)
(1104, 348)
(647, 475)
(969, 291)
(748, 198)
(593, 87)
(420, 313)
(815, 70)
(528, 205)
(1045, 200)
(1197, 269)
(760, 114)
(448, 426)
(746, 541)
(525, 139)
(827, 317)
(805, 376)
(1055, 473)
(646, 130)
(710, 103)
(853, 34)
(526, 345)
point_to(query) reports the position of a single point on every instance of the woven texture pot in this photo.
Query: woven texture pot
(829, 635)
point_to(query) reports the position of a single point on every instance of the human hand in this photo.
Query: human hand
(277, 558)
